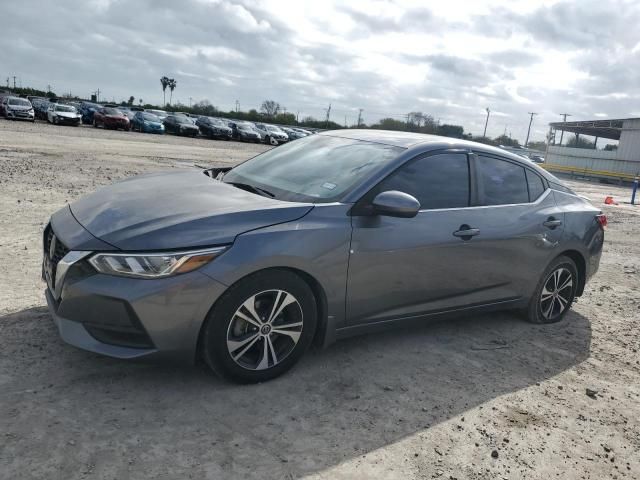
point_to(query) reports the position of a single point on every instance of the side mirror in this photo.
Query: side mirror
(395, 204)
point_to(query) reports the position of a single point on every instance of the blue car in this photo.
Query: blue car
(145, 122)
(87, 109)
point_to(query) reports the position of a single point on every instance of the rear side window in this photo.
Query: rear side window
(536, 187)
(500, 182)
(438, 181)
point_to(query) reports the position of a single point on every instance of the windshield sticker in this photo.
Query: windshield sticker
(329, 185)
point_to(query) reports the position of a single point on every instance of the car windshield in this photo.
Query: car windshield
(182, 119)
(19, 102)
(274, 129)
(316, 169)
(245, 127)
(149, 117)
(112, 111)
(65, 108)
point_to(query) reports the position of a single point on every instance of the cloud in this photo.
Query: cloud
(385, 57)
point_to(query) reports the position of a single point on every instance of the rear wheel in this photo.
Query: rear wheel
(260, 327)
(554, 293)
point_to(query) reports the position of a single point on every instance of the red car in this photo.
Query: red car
(112, 118)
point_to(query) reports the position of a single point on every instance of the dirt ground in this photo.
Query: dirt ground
(428, 402)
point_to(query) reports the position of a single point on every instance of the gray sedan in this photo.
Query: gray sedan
(335, 234)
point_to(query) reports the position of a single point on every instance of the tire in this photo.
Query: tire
(55, 120)
(554, 293)
(95, 124)
(226, 330)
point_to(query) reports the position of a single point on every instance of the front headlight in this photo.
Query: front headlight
(153, 265)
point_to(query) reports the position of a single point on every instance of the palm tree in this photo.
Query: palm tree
(172, 85)
(165, 83)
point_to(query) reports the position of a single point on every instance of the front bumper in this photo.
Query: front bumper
(69, 121)
(127, 317)
(20, 115)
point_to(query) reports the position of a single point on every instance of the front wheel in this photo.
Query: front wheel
(260, 327)
(554, 293)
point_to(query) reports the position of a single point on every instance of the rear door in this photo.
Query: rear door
(519, 226)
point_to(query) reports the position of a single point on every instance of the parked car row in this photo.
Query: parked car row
(118, 117)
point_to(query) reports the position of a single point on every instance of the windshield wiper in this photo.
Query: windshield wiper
(252, 189)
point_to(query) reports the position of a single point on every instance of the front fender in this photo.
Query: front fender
(317, 244)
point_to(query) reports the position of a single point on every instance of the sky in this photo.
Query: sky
(450, 59)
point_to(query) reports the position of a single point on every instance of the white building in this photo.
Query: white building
(621, 164)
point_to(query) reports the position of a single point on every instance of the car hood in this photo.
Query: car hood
(19, 107)
(67, 114)
(153, 124)
(177, 210)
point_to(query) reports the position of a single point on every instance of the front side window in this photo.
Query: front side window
(437, 181)
(500, 182)
(316, 169)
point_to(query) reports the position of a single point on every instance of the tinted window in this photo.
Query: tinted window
(500, 182)
(536, 187)
(438, 181)
(112, 111)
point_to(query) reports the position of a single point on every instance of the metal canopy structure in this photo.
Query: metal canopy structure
(611, 129)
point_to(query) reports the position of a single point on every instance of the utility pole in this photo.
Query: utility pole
(359, 117)
(237, 106)
(298, 117)
(486, 122)
(14, 82)
(529, 129)
(190, 99)
(564, 119)
(328, 116)
(7, 82)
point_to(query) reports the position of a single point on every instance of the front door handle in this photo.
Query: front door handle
(552, 223)
(466, 232)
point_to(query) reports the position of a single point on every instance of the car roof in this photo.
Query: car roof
(421, 142)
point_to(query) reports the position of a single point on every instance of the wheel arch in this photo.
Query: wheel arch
(581, 265)
(318, 293)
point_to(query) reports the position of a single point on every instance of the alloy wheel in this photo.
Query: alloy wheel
(265, 329)
(557, 293)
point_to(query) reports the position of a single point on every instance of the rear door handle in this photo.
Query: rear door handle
(466, 232)
(552, 223)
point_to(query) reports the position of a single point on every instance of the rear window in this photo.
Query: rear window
(112, 111)
(500, 182)
(535, 184)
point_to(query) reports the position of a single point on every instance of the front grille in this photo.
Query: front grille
(54, 257)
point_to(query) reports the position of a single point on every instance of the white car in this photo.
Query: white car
(61, 114)
(16, 108)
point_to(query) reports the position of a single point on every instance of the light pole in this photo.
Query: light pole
(529, 129)
(486, 122)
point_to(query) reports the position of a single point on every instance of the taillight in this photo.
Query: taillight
(602, 220)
